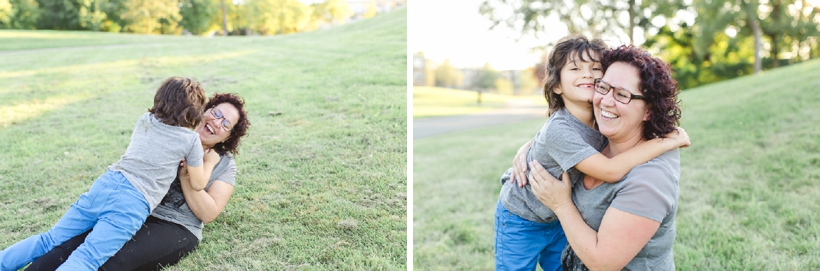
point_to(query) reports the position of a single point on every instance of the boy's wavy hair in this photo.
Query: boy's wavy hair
(179, 102)
(659, 89)
(569, 48)
(239, 129)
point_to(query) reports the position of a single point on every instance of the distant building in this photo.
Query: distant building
(419, 67)
(470, 78)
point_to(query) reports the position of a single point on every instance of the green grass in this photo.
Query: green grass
(26, 40)
(435, 101)
(321, 186)
(749, 185)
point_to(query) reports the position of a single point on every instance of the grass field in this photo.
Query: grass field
(321, 186)
(435, 101)
(749, 185)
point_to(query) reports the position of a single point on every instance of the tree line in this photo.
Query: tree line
(235, 17)
(705, 41)
(484, 79)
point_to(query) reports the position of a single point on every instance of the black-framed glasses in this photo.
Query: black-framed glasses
(218, 115)
(621, 95)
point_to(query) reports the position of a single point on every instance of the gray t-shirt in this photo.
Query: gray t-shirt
(150, 163)
(650, 190)
(562, 143)
(173, 207)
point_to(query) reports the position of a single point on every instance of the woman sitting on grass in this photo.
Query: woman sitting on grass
(174, 228)
(630, 224)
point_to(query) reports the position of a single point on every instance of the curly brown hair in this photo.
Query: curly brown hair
(578, 45)
(179, 102)
(659, 89)
(239, 129)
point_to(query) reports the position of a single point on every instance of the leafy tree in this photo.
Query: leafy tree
(6, 13)
(198, 15)
(504, 86)
(371, 10)
(447, 75)
(58, 15)
(25, 14)
(332, 11)
(90, 14)
(529, 82)
(238, 18)
(278, 16)
(486, 76)
(589, 17)
(151, 16)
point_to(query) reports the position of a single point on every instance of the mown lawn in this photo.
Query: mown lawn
(322, 177)
(749, 185)
(436, 101)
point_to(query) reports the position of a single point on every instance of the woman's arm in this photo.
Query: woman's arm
(206, 205)
(619, 238)
(614, 169)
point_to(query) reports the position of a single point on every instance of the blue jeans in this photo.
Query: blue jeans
(112, 207)
(520, 243)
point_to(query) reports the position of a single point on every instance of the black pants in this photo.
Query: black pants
(157, 244)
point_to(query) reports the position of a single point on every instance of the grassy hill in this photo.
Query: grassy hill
(321, 186)
(749, 185)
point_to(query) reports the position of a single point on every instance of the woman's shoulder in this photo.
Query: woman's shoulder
(226, 160)
(662, 169)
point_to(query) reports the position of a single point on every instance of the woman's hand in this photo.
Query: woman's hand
(183, 172)
(519, 171)
(679, 137)
(551, 192)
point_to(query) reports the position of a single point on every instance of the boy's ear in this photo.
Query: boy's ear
(557, 90)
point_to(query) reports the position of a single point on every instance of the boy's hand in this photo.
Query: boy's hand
(679, 138)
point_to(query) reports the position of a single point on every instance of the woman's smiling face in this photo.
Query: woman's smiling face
(211, 130)
(617, 120)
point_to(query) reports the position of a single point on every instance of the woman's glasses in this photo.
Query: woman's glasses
(218, 115)
(621, 95)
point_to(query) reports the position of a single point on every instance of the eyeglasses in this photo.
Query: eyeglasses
(621, 95)
(218, 115)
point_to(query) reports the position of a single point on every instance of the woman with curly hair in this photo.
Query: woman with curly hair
(630, 224)
(174, 227)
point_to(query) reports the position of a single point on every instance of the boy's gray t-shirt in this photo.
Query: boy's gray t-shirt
(562, 143)
(650, 190)
(174, 208)
(151, 161)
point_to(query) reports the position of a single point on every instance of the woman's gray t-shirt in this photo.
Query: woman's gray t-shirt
(563, 142)
(173, 207)
(650, 190)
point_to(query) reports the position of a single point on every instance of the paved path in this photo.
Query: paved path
(441, 125)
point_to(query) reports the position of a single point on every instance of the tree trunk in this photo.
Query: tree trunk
(224, 20)
(774, 50)
(775, 16)
(631, 28)
(751, 18)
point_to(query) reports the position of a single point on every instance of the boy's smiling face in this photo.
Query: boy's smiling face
(577, 77)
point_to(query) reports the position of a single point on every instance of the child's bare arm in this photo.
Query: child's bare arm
(614, 169)
(200, 175)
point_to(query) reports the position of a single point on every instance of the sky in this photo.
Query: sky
(455, 29)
